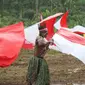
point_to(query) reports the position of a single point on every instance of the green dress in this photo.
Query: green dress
(38, 72)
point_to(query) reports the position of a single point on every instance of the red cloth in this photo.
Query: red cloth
(50, 26)
(73, 37)
(11, 41)
(63, 21)
(27, 45)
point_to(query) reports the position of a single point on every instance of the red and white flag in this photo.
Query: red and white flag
(68, 40)
(70, 43)
(62, 22)
(32, 32)
(11, 41)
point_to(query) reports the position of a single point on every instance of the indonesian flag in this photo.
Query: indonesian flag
(32, 32)
(70, 43)
(62, 22)
(67, 41)
(11, 41)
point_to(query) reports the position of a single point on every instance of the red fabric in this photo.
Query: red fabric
(63, 21)
(71, 36)
(28, 45)
(11, 41)
(80, 33)
(50, 26)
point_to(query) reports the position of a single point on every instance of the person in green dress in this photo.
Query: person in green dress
(38, 72)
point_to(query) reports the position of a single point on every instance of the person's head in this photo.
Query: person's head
(43, 30)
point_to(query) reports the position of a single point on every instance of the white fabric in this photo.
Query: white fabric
(69, 47)
(78, 28)
(53, 47)
(31, 33)
(57, 25)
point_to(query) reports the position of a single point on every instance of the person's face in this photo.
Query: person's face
(44, 33)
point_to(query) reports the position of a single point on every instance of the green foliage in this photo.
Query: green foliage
(7, 20)
(12, 11)
(29, 13)
(46, 13)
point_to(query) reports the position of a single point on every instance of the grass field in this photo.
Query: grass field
(64, 69)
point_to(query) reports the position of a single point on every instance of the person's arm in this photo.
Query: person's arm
(43, 42)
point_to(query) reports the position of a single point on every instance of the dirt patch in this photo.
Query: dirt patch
(63, 69)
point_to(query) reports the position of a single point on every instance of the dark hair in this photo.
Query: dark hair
(42, 26)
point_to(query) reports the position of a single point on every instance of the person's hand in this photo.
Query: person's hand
(51, 42)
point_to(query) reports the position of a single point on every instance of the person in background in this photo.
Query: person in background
(38, 72)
